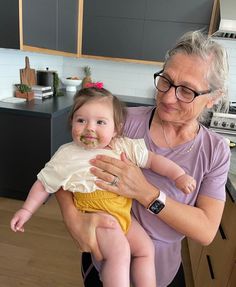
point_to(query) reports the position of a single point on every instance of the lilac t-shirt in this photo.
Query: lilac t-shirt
(208, 162)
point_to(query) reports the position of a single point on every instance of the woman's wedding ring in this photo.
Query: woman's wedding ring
(115, 180)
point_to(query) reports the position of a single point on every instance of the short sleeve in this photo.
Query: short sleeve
(135, 150)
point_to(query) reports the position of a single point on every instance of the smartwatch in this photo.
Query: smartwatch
(157, 204)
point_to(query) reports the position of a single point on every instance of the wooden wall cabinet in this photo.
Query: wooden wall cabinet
(215, 265)
(41, 26)
(9, 24)
(51, 25)
(140, 29)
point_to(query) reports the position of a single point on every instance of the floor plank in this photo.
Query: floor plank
(43, 256)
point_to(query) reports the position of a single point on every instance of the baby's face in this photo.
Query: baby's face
(93, 124)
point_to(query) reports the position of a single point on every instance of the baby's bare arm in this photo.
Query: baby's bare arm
(170, 169)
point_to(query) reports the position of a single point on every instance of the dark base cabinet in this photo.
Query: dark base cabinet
(30, 134)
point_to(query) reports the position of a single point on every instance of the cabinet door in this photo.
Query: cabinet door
(24, 150)
(141, 30)
(112, 37)
(113, 28)
(232, 279)
(183, 11)
(205, 275)
(51, 24)
(159, 36)
(67, 25)
(9, 24)
(40, 23)
(217, 261)
(195, 253)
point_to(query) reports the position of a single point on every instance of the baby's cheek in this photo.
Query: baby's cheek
(76, 136)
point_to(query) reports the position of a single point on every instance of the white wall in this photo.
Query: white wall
(122, 78)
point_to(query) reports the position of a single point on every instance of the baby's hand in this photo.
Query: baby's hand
(19, 219)
(185, 183)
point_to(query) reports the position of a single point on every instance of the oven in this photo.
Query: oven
(224, 124)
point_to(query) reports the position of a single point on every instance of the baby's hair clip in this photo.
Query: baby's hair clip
(98, 85)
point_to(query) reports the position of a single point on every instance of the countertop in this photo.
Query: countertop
(53, 106)
(45, 108)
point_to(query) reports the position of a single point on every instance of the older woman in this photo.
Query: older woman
(192, 81)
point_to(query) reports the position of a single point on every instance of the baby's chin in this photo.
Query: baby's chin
(89, 145)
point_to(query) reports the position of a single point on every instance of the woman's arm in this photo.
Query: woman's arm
(82, 226)
(199, 223)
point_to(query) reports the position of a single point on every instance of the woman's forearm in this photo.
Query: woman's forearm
(66, 203)
(82, 225)
(200, 223)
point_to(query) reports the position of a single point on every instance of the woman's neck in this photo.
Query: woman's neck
(166, 134)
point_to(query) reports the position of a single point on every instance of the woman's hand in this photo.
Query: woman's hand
(82, 226)
(131, 182)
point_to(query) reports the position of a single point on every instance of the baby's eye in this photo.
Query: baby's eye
(79, 120)
(101, 122)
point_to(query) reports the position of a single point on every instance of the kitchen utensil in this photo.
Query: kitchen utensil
(47, 78)
(27, 75)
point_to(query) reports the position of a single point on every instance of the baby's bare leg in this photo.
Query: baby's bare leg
(142, 251)
(115, 249)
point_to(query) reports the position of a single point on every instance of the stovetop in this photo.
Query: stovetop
(224, 124)
(232, 109)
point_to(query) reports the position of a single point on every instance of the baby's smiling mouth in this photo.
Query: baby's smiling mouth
(88, 139)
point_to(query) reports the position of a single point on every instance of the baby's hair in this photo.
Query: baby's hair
(92, 94)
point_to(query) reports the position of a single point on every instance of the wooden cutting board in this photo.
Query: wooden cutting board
(27, 75)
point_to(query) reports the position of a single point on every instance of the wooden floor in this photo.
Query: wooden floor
(43, 256)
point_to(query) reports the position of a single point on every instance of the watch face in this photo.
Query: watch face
(156, 206)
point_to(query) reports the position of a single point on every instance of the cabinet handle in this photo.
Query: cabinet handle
(222, 233)
(210, 267)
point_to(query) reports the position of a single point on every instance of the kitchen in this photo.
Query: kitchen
(121, 77)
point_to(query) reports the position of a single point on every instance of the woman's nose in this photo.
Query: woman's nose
(169, 96)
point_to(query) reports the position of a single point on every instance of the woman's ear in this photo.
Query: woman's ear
(214, 98)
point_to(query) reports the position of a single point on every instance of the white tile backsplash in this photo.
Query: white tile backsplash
(11, 61)
(130, 79)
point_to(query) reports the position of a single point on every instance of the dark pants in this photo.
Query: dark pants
(91, 276)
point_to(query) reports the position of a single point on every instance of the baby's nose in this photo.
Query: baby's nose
(90, 126)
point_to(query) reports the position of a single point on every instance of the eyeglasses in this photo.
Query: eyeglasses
(182, 93)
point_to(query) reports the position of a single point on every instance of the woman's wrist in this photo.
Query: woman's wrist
(148, 197)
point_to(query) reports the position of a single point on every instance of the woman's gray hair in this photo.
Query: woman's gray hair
(200, 44)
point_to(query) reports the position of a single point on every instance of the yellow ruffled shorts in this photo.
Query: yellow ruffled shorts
(101, 200)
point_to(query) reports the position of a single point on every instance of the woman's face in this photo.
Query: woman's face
(189, 71)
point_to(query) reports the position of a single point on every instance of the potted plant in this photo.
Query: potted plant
(24, 91)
